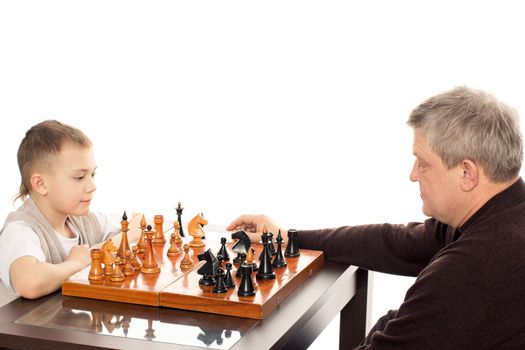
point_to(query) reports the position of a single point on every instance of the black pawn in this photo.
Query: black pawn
(271, 247)
(220, 286)
(228, 280)
(242, 258)
(264, 239)
(238, 259)
(265, 271)
(279, 261)
(246, 288)
(221, 259)
(223, 251)
(292, 250)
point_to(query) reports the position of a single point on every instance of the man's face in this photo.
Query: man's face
(439, 187)
(71, 183)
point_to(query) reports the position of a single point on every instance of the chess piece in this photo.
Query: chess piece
(178, 239)
(150, 263)
(127, 269)
(134, 259)
(173, 250)
(150, 332)
(265, 271)
(142, 240)
(221, 259)
(195, 230)
(116, 274)
(228, 279)
(279, 260)
(159, 230)
(241, 246)
(271, 247)
(264, 237)
(209, 269)
(246, 288)
(186, 262)
(126, 320)
(249, 259)
(96, 321)
(108, 256)
(242, 258)
(96, 273)
(223, 251)
(220, 286)
(292, 249)
(179, 210)
(124, 244)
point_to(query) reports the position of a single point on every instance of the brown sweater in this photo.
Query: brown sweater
(470, 286)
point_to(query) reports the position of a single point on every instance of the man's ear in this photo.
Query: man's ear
(470, 175)
(38, 184)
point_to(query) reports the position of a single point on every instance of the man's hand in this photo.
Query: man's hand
(254, 224)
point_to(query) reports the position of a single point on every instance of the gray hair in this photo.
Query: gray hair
(464, 123)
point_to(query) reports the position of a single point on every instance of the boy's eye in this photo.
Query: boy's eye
(79, 178)
(93, 174)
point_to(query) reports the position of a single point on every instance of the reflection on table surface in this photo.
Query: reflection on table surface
(138, 322)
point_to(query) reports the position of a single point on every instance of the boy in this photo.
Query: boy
(47, 238)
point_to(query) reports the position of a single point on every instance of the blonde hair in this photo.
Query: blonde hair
(41, 143)
(464, 123)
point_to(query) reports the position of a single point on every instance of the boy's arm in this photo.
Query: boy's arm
(33, 279)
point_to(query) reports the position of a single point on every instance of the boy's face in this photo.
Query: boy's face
(70, 183)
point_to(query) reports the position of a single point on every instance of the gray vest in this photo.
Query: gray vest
(88, 226)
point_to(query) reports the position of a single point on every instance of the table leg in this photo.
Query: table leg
(354, 316)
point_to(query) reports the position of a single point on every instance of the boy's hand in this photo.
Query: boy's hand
(80, 254)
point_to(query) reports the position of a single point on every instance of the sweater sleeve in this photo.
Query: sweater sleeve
(396, 249)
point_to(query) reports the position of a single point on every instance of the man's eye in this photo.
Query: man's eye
(93, 175)
(79, 178)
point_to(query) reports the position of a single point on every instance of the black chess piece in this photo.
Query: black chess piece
(223, 251)
(246, 288)
(292, 249)
(238, 258)
(228, 280)
(265, 271)
(220, 286)
(241, 246)
(220, 259)
(179, 210)
(242, 259)
(209, 269)
(279, 260)
(210, 336)
(271, 247)
(264, 240)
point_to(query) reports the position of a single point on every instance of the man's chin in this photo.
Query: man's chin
(426, 211)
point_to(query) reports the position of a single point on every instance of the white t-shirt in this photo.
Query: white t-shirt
(19, 239)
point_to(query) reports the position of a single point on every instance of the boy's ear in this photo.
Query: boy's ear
(38, 184)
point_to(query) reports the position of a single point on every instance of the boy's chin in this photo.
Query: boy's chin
(81, 211)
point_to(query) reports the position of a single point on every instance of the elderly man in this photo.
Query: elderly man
(469, 256)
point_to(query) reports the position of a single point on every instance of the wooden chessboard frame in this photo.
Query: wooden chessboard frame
(175, 288)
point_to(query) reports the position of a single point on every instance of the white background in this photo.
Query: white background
(295, 109)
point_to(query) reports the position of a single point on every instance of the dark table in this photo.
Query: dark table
(58, 322)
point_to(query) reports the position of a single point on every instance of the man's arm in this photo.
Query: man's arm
(396, 249)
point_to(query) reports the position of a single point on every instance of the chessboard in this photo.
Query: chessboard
(177, 272)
